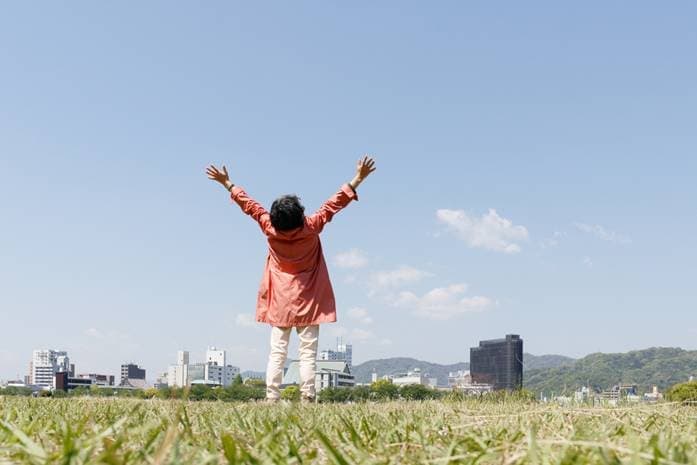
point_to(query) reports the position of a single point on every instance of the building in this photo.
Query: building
(131, 371)
(329, 373)
(215, 356)
(64, 382)
(182, 357)
(620, 393)
(498, 362)
(413, 377)
(459, 379)
(653, 396)
(45, 364)
(178, 375)
(343, 352)
(161, 381)
(97, 379)
(214, 371)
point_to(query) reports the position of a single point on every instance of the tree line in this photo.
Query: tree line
(254, 390)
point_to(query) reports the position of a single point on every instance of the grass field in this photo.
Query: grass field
(124, 431)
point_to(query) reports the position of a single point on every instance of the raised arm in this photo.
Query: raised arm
(343, 197)
(248, 205)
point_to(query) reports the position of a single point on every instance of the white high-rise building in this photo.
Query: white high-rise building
(177, 375)
(215, 356)
(45, 364)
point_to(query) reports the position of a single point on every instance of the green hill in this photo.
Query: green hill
(396, 365)
(393, 366)
(662, 367)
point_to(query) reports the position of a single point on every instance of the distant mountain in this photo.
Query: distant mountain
(393, 366)
(662, 367)
(536, 362)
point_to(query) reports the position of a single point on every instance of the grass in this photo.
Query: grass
(129, 431)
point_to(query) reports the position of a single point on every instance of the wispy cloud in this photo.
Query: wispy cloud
(443, 303)
(351, 259)
(553, 241)
(490, 231)
(94, 333)
(361, 335)
(360, 314)
(602, 233)
(588, 262)
(397, 277)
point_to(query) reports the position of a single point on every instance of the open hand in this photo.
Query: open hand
(220, 176)
(366, 165)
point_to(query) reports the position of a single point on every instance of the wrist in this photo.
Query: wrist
(228, 185)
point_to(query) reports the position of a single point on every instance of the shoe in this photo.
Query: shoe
(272, 401)
(307, 400)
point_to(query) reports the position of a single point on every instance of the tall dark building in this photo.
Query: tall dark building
(131, 371)
(498, 362)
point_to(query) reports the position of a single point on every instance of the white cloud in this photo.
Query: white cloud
(552, 242)
(588, 262)
(352, 259)
(443, 303)
(360, 314)
(491, 231)
(361, 335)
(601, 233)
(397, 277)
(245, 320)
(385, 342)
(94, 333)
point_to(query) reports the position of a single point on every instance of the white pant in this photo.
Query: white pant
(277, 359)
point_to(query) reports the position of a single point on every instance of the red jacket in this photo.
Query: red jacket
(295, 289)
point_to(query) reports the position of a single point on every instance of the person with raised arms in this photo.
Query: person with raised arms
(295, 290)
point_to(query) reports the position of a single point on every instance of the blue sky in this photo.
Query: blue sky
(536, 167)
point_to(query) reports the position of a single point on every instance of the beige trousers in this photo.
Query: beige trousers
(307, 353)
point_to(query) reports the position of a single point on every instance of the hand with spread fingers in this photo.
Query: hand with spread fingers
(219, 176)
(366, 166)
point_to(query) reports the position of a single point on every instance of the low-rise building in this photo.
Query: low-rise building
(98, 380)
(618, 393)
(329, 373)
(413, 377)
(653, 396)
(64, 382)
(459, 379)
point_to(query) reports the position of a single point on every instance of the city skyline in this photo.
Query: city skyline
(535, 176)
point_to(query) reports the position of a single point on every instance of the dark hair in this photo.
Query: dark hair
(287, 213)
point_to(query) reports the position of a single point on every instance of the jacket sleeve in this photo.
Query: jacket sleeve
(331, 207)
(251, 207)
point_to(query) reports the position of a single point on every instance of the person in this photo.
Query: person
(295, 290)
